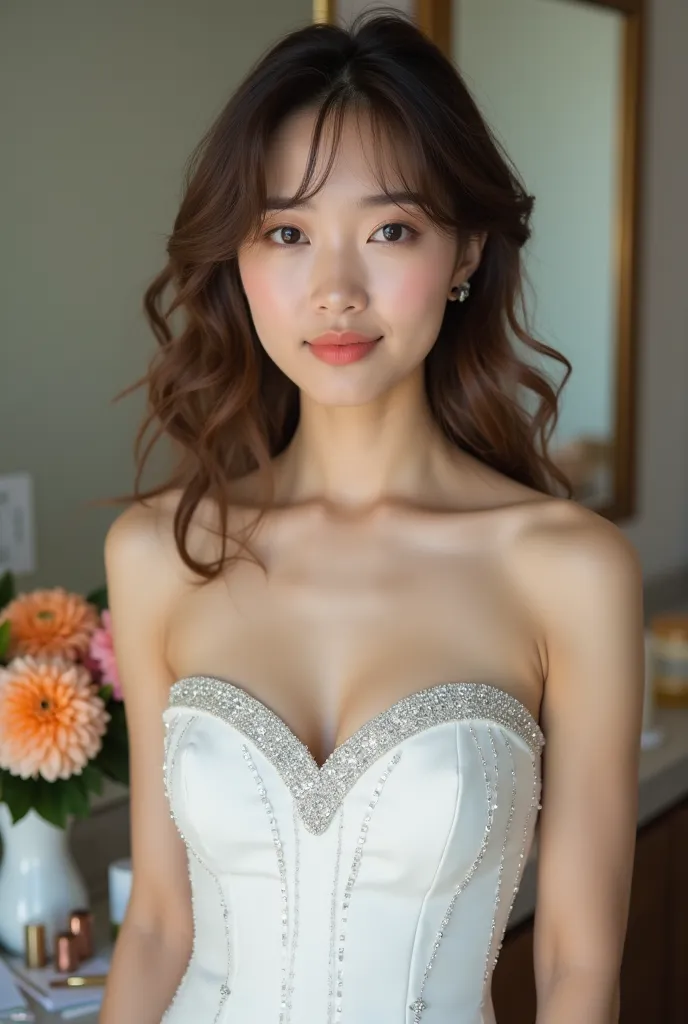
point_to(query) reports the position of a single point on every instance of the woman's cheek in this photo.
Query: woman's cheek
(414, 290)
(268, 292)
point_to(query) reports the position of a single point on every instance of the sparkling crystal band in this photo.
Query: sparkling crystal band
(318, 791)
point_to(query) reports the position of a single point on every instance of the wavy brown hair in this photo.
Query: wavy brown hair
(214, 391)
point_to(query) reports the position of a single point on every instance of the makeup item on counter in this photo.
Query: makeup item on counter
(66, 952)
(81, 925)
(651, 736)
(34, 945)
(66, 1000)
(670, 658)
(80, 981)
(119, 890)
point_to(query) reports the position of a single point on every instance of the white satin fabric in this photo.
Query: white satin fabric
(375, 890)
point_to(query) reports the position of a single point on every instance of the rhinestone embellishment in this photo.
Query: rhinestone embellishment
(287, 954)
(491, 957)
(319, 791)
(419, 1004)
(358, 853)
(168, 767)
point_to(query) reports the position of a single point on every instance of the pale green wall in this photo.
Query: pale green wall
(102, 103)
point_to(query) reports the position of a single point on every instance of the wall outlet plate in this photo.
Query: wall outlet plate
(17, 528)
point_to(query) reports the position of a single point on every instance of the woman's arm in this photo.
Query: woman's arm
(154, 943)
(586, 587)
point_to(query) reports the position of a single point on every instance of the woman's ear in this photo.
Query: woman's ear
(468, 263)
(470, 257)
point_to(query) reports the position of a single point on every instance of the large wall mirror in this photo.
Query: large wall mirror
(559, 82)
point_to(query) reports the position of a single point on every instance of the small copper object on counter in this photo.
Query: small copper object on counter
(66, 951)
(669, 641)
(34, 945)
(81, 925)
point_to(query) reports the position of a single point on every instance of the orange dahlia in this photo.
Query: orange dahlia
(50, 623)
(51, 719)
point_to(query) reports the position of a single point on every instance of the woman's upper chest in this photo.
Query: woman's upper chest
(352, 616)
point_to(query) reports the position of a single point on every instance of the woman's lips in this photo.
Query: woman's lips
(342, 338)
(339, 349)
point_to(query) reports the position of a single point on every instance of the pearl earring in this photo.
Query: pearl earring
(460, 291)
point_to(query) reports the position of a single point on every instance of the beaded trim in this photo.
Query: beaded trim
(491, 956)
(224, 989)
(333, 918)
(536, 806)
(167, 766)
(353, 874)
(318, 791)
(288, 950)
(419, 1005)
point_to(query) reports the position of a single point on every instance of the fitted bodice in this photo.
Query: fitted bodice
(372, 890)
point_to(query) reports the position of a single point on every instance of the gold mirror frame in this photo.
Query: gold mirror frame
(434, 17)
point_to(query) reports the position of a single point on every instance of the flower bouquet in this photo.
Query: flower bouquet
(62, 723)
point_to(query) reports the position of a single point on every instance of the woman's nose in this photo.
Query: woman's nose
(338, 300)
(340, 291)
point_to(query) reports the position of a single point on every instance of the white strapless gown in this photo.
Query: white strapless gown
(373, 890)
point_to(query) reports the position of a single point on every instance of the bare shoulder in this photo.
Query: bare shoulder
(143, 537)
(558, 536)
(578, 572)
(140, 542)
(143, 529)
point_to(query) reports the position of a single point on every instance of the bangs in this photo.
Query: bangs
(400, 164)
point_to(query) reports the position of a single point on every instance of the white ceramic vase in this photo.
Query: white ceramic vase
(39, 881)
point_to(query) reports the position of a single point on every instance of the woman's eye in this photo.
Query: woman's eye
(283, 227)
(395, 227)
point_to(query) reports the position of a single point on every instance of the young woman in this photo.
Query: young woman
(366, 638)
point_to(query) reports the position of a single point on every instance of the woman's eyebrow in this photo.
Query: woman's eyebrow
(378, 199)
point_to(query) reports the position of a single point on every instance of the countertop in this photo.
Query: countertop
(663, 782)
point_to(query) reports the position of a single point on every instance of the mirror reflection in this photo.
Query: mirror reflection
(548, 75)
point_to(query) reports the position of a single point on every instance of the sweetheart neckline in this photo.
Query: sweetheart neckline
(350, 740)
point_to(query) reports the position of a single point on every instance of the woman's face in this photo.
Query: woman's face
(346, 264)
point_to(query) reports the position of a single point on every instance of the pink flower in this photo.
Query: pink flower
(102, 652)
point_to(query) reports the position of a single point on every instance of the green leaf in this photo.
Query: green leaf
(8, 590)
(75, 798)
(113, 757)
(5, 633)
(117, 726)
(113, 761)
(59, 800)
(17, 793)
(99, 597)
(49, 804)
(92, 779)
(105, 692)
(54, 801)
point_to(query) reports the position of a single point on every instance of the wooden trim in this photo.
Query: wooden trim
(324, 11)
(625, 6)
(435, 18)
(628, 270)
